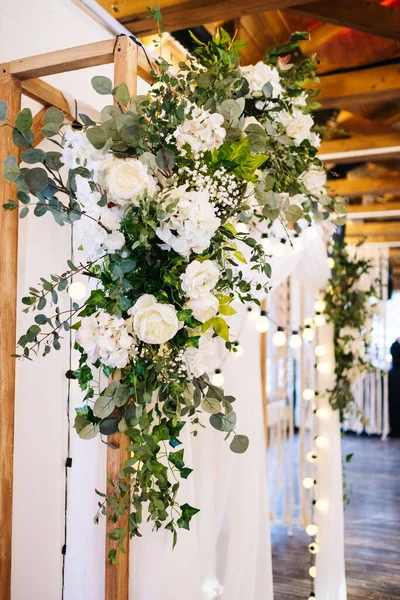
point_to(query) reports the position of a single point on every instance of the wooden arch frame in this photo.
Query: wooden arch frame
(16, 78)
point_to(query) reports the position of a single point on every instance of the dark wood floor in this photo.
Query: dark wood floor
(372, 529)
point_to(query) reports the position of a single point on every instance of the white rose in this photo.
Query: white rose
(199, 278)
(154, 322)
(314, 180)
(128, 179)
(297, 124)
(260, 74)
(205, 307)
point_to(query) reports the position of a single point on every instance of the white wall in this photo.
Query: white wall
(30, 27)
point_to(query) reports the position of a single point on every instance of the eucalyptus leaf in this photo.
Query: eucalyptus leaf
(239, 444)
(36, 179)
(102, 85)
(24, 120)
(89, 431)
(3, 110)
(11, 168)
(53, 115)
(33, 155)
(293, 213)
(103, 406)
(96, 137)
(165, 159)
(211, 405)
(122, 94)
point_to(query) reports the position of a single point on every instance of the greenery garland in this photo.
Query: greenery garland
(156, 191)
(351, 300)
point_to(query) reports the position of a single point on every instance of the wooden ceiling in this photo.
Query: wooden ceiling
(357, 43)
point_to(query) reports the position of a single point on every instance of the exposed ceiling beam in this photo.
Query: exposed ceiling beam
(384, 228)
(360, 148)
(184, 15)
(369, 17)
(388, 240)
(357, 124)
(344, 90)
(354, 187)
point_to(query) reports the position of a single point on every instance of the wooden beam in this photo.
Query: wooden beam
(46, 94)
(72, 59)
(343, 90)
(353, 187)
(37, 126)
(376, 239)
(362, 15)
(385, 228)
(360, 148)
(357, 124)
(117, 576)
(11, 93)
(197, 12)
(373, 211)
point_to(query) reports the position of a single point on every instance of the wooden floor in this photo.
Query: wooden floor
(372, 529)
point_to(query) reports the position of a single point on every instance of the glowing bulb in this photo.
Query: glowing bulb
(389, 358)
(252, 314)
(266, 244)
(312, 571)
(319, 320)
(308, 322)
(308, 334)
(308, 394)
(217, 378)
(321, 441)
(320, 350)
(262, 323)
(241, 228)
(313, 548)
(298, 244)
(279, 338)
(322, 505)
(311, 233)
(279, 248)
(324, 367)
(311, 457)
(320, 306)
(311, 596)
(295, 340)
(323, 414)
(308, 482)
(331, 262)
(312, 530)
(77, 290)
(239, 351)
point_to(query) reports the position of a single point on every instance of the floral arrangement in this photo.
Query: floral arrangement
(351, 300)
(156, 190)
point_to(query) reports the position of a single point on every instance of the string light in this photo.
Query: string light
(312, 571)
(324, 367)
(279, 338)
(252, 314)
(319, 320)
(295, 340)
(320, 350)
(311, 233)
(77, 290)
(308, 394)
(313, 548)
(311, 596)
(312, 529)
(238, 353)
(331, 262)
(279, 248)
(262, 323)
(308, 321)
(308, 482)
(217, 378)
(308, 334)
(320, 305)
(311, 457)
(322, 505)
(266, 244)
(323, 414)
(321, 441)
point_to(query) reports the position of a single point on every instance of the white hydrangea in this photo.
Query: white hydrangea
(351, 341)
(127, 180)
(354, 373)
(202, 359)
(154, 322)
(258, 75)
(190, 223)
(204, 131)
(297, 125)
(105, 337)
(78, 151)
(314, 180)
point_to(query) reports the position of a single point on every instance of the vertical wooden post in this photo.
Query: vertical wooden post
(10, 91)
(117, 576)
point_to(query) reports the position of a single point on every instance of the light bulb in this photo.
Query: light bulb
(253, 314)
(323, 414)
(308, 482)
(77, 290)
(331, 262)
(279, 248)
(311, 596)
(319, 320)
(321, 441)
(311, 233)
(266, 244)
(312, 530)
(308, 322)
(298, 244)
(308, 334)
(322, 505)
(324, 367)
(308, 394)
(313, 548)
(389, 358)
(241, 228)
(320, 350)
(311, 457)
(312, 571)
(295, 340)
(279, 338)
(262, 323)
(320, 305)
(239, 351)
(217, 378)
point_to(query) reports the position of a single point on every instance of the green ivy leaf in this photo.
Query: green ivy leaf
(221, 328)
